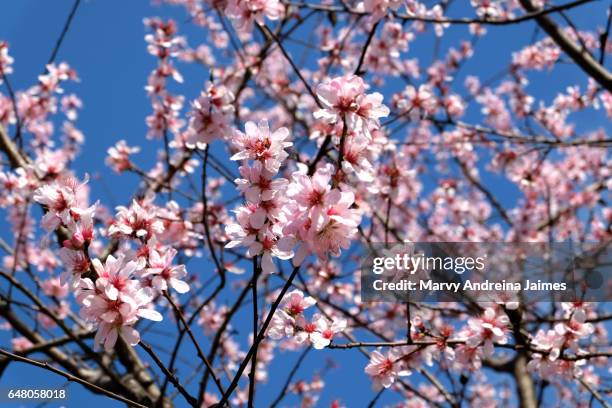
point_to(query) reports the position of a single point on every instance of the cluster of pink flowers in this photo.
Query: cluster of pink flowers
(329, 160)
(115, 301)
(54, 288)
(417, 102)
(491, 328)
(543, 54)
(550, 344)
(65, 202)
(119, 156)
(142, 223)
(384, 55)
(162, 274)
(35, 107)
(246, 12)
(309, 392)
(136, 221)
(345, 101)
(324, 220)
(259, 221)
(210, 116)
(311, 213)
(379, 8)
(164, 45)
(289, 321)
(385, 369)
(113, 295)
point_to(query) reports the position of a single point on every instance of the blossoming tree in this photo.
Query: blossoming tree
(318, 131)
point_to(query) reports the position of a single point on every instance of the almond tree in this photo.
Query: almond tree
(318, 133)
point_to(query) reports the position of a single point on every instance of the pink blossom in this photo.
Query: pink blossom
(281, 325)
(245, 12)
(309, 192)
(58, 197)
(165, 116)
(212, 318)
(384, 370)
(119, 156)
(270, 245)
(490, 328)
(487, 9)
(249, 221)
(258, 143)
(345, 97)
(325, 330)
(137, 221)
(468, 358)
(75, 263)
(7, 113)
(378, 8)
(163, 274)
(437, 12)
(20, 343)
(115, 302)
(554, 369)
(358, 153)
(53, 287)
(332, 229)
(417, 101)
(285, 320)
(606, 99)
(258, 183)
(210, 116)
(80, 226)
(297, 303)
(116, 276)
(70, 105)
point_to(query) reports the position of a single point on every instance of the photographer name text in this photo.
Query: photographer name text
(430, 285)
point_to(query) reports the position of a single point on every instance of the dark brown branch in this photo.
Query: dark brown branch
(294, 370)
(268, 33)
(71, 377)
(169, 375)
(201, 355)
(259, 338)
(253, 372)
(463, 21)
(67, 25)
(365, 49)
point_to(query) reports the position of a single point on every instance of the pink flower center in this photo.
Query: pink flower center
(315, 198)
(61, 203)
(295, 309)
(385, 367)
(310, 328)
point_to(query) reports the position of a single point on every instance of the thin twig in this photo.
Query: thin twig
(171, 377)
(71, 377)
(201, 355)
(259, 337)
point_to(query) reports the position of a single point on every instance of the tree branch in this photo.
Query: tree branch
(583, 59)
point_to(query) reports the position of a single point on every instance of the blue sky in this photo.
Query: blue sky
(106, 47)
